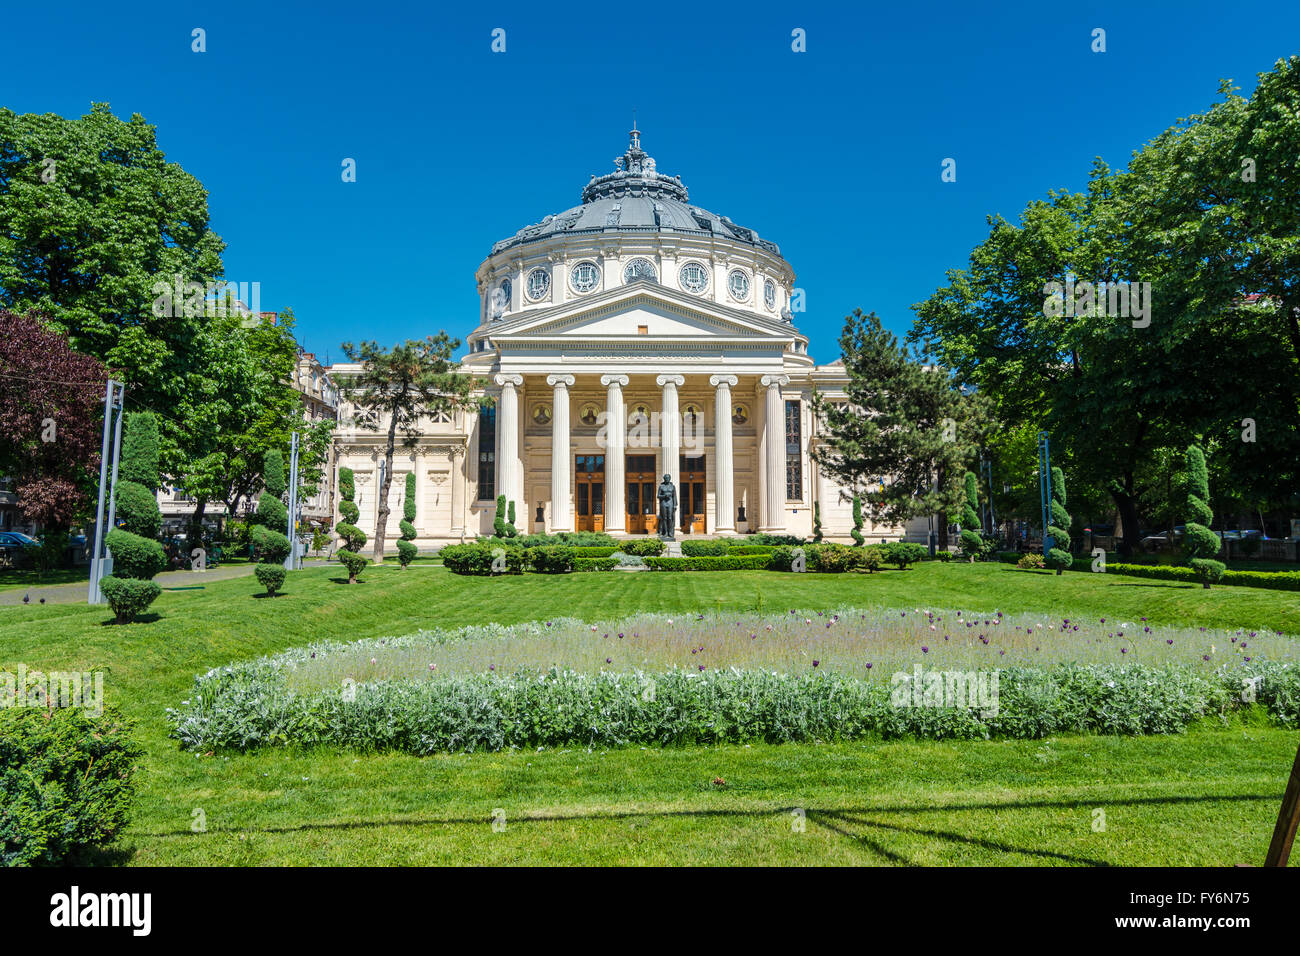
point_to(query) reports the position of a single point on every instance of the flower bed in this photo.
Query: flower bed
(802, 676)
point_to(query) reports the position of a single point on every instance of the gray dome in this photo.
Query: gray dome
(635, 198)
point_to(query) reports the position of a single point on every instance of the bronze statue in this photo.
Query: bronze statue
(667, 508)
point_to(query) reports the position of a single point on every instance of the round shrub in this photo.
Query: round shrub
(480, 559)
(408, 530)
(643, 548)
(353, 538)
(272, 547)
(271, 577)
(128, 597)
(347, 484)
(354, 563)
(272, 512)
(903, 553)
(870, 559)
(1030, 561)
(1208, 571)
(66, 782)
(137, 509)
(551, 560)
(349, 511)
(406, 552)
(135, 556)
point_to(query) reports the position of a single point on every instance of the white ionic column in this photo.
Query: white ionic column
(508, 471)
(724, 505)
(615, 438)
(774, 466)
(561, 454)
(670, 426)
(459, 461)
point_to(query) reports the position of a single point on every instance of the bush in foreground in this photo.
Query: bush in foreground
(128, 597)
(66, 782)
(271, 577)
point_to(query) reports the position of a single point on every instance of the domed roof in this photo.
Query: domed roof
(636, 197)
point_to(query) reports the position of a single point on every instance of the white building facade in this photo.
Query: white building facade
(633, 336)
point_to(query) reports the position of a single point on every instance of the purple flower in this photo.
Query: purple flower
(1169, 640)
(868, 665)
(608, 661)
(924, 649)
(701, 667)
(815, 663)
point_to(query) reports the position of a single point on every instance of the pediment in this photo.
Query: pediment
(625, 312)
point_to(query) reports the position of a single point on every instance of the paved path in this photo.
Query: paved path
(168, 581)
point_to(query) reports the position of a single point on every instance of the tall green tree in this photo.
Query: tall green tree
(903, 438)
(1200, 544)
(92, 219)
(400, 386)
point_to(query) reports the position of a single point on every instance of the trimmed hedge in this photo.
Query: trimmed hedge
(135, 556)
(595, 564)
(271, 577)
(700, 549)
(477, 558)
(137, 509)
(643, 547)
(754, 562)
(594, 551)
(128, 597)
(550, 559)
(66, 781)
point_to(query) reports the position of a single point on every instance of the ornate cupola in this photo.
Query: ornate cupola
(634, 175)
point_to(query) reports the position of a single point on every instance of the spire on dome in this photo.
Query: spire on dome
(634, 174)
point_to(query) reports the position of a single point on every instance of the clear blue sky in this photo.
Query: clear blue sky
(834, 153)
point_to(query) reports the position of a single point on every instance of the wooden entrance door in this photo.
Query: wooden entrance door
(642, 505)
(690, 494)
(589, 493)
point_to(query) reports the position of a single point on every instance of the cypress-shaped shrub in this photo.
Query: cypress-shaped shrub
(140, 450)
(817, 521)
(273, 472)
(1200, 544)
(352, 537)
(406, 551)
(858, 540)
(137, 509)
(1058, 556)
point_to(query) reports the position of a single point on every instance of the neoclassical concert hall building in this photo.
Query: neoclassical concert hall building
(632, 336)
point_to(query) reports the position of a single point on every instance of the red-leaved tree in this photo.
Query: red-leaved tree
(51, 420)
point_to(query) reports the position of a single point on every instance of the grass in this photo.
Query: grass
(1206, 798)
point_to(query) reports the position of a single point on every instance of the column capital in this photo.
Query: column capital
(556, 381)
(774, 381)
(509, 379)
(619, 380)
(663, 381)
(728, 380)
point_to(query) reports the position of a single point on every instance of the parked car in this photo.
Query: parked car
(1164, 541)
(13, 548)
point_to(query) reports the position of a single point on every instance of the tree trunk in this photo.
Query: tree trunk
(381, 519)
(1126, 502)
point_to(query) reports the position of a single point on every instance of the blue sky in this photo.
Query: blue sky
(834, 153)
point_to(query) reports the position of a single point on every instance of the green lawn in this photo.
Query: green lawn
(1209, 797)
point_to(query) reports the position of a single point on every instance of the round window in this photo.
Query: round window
(694, 277)
(539, 283)
(585, 276)
(738, 285)
(640, 269)
(769, 294)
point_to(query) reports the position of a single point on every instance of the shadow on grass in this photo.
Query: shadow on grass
(837, 820)
(149, 618)
(1158, 584)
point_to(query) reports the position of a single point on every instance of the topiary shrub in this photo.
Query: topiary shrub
(644, 548)
(135, 556)
(406, 551)
(511, 530)
(694, 549)
(272, 512)
(903, 553)
(272, 547)
(1200, 544)
(1058, 556)
(273, 472)
(817, 522)
(354, 563)
(271, 577)
(858, 540)
(137, 509)
(972, 543)
(557, 559)
(128, 597)
(140, 451)
(67, 780)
